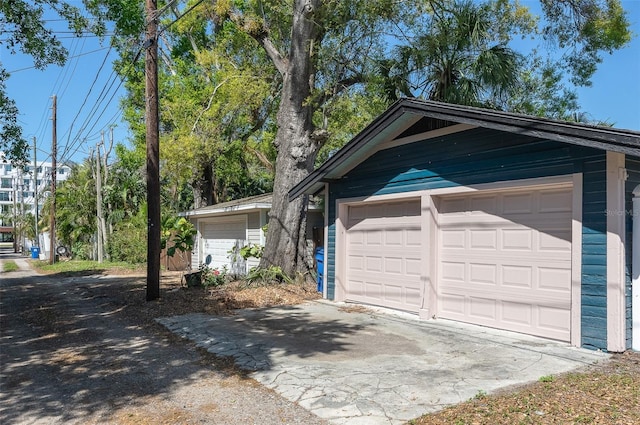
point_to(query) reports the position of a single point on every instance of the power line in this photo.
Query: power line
(70, 57)
(84, 102)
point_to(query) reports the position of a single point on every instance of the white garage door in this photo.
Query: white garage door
(222, 236)
(383, 255)
(505, 260)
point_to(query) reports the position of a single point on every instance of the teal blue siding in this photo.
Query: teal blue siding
(330, 252)
(594, 253)
(482, 156)
(633, 169)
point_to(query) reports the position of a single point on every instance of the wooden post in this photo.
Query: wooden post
(54, 154)
(153, 153)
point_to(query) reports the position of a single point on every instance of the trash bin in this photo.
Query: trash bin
(35, 252)
(319, 257)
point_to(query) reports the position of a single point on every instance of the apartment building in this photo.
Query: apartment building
(18, 189)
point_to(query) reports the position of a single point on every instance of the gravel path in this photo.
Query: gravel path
(68, 356)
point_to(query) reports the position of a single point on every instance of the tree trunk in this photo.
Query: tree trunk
(203, 188)
(296, 149)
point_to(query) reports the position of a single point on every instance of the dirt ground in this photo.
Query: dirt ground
(86, 349)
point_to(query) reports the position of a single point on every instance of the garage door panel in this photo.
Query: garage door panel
(487, 204)
(509, 268)
(452, 306)
(517, 239)
(453, 239)
(554, 318)
(555, 240)
(482, 309)
(518, 314)
(517, 276)
(373, 264)
(384, 248)
(452, 271)
(533, 295)
(520, 203)
(555, 279)
(552, 201)
(483, 273)
(483, 239)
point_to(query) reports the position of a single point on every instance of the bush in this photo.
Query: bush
(212, 277)
(271, 274)
(81, 250)
(128, 243)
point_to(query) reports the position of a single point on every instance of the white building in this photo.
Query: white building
(18, 188)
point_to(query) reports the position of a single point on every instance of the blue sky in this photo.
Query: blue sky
(88, 93)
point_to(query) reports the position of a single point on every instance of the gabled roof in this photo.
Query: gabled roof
(257, 202)
(410, 117)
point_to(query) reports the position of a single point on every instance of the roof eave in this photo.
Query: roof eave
(616, 140)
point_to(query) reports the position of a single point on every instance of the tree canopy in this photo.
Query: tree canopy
(24, 30)
(253, 93)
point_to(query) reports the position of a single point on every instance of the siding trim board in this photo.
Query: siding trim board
(632, 303)
(576, 262)
(615, 212)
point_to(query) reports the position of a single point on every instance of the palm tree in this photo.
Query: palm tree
(456, 60)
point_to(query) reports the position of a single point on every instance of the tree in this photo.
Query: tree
(584, 30)
(460, 58)
(324, 56)
(75, 211)
(24, 29)
(317, 48)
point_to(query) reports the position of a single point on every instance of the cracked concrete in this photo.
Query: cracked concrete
(374, 367)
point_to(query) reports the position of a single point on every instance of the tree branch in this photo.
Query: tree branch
(195, 124)
(261, 35)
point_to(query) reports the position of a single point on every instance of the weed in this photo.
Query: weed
(480, 395)
(10, 266)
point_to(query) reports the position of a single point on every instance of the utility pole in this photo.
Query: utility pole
(35, 189)
(153, 152)
(54, 154)
(98, 177)
(15, 215)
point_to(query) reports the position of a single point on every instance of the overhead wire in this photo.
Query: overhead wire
(84, 102)
(100, 107)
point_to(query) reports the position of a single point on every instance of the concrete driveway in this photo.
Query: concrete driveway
(352, 365)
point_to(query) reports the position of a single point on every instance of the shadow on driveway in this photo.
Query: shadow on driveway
(361, 366)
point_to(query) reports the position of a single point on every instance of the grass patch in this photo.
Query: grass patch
(85, 266)
(10, 266)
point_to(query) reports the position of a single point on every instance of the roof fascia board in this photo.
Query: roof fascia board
(604, 138)
(227, 210)
(380, 128)
(235, 209)
(611, 139)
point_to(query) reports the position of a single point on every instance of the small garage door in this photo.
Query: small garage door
(222, 236)
(383, 255)
(505, 260)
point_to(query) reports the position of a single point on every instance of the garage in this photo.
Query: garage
(383, 261)
(527, 224)
(222, 236)
(505, 260)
